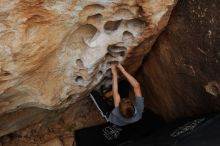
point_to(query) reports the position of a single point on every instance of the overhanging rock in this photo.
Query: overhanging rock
(54, 52)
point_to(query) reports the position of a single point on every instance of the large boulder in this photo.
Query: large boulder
(53, 53)
(181, 76)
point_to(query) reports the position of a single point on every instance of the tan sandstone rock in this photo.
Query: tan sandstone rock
(54, 52)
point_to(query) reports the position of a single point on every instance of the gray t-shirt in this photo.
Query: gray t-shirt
(116, 118)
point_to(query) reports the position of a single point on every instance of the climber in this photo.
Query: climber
(124, 111)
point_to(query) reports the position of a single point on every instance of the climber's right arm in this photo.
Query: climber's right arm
(116, 95)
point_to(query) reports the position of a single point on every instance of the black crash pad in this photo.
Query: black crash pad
(108, 134)
(203, 130)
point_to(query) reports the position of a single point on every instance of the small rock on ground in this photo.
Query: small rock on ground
(68, 141)
(53, 142)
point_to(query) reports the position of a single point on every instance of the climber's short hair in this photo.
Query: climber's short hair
(126, 108)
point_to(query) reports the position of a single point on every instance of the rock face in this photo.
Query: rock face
(54, 52)
(182, 73)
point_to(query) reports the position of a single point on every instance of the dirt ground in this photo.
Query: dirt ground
(58, 133)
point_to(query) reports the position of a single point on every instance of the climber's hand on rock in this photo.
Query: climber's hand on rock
(120, 66)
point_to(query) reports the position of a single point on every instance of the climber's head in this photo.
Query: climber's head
(126, 107)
